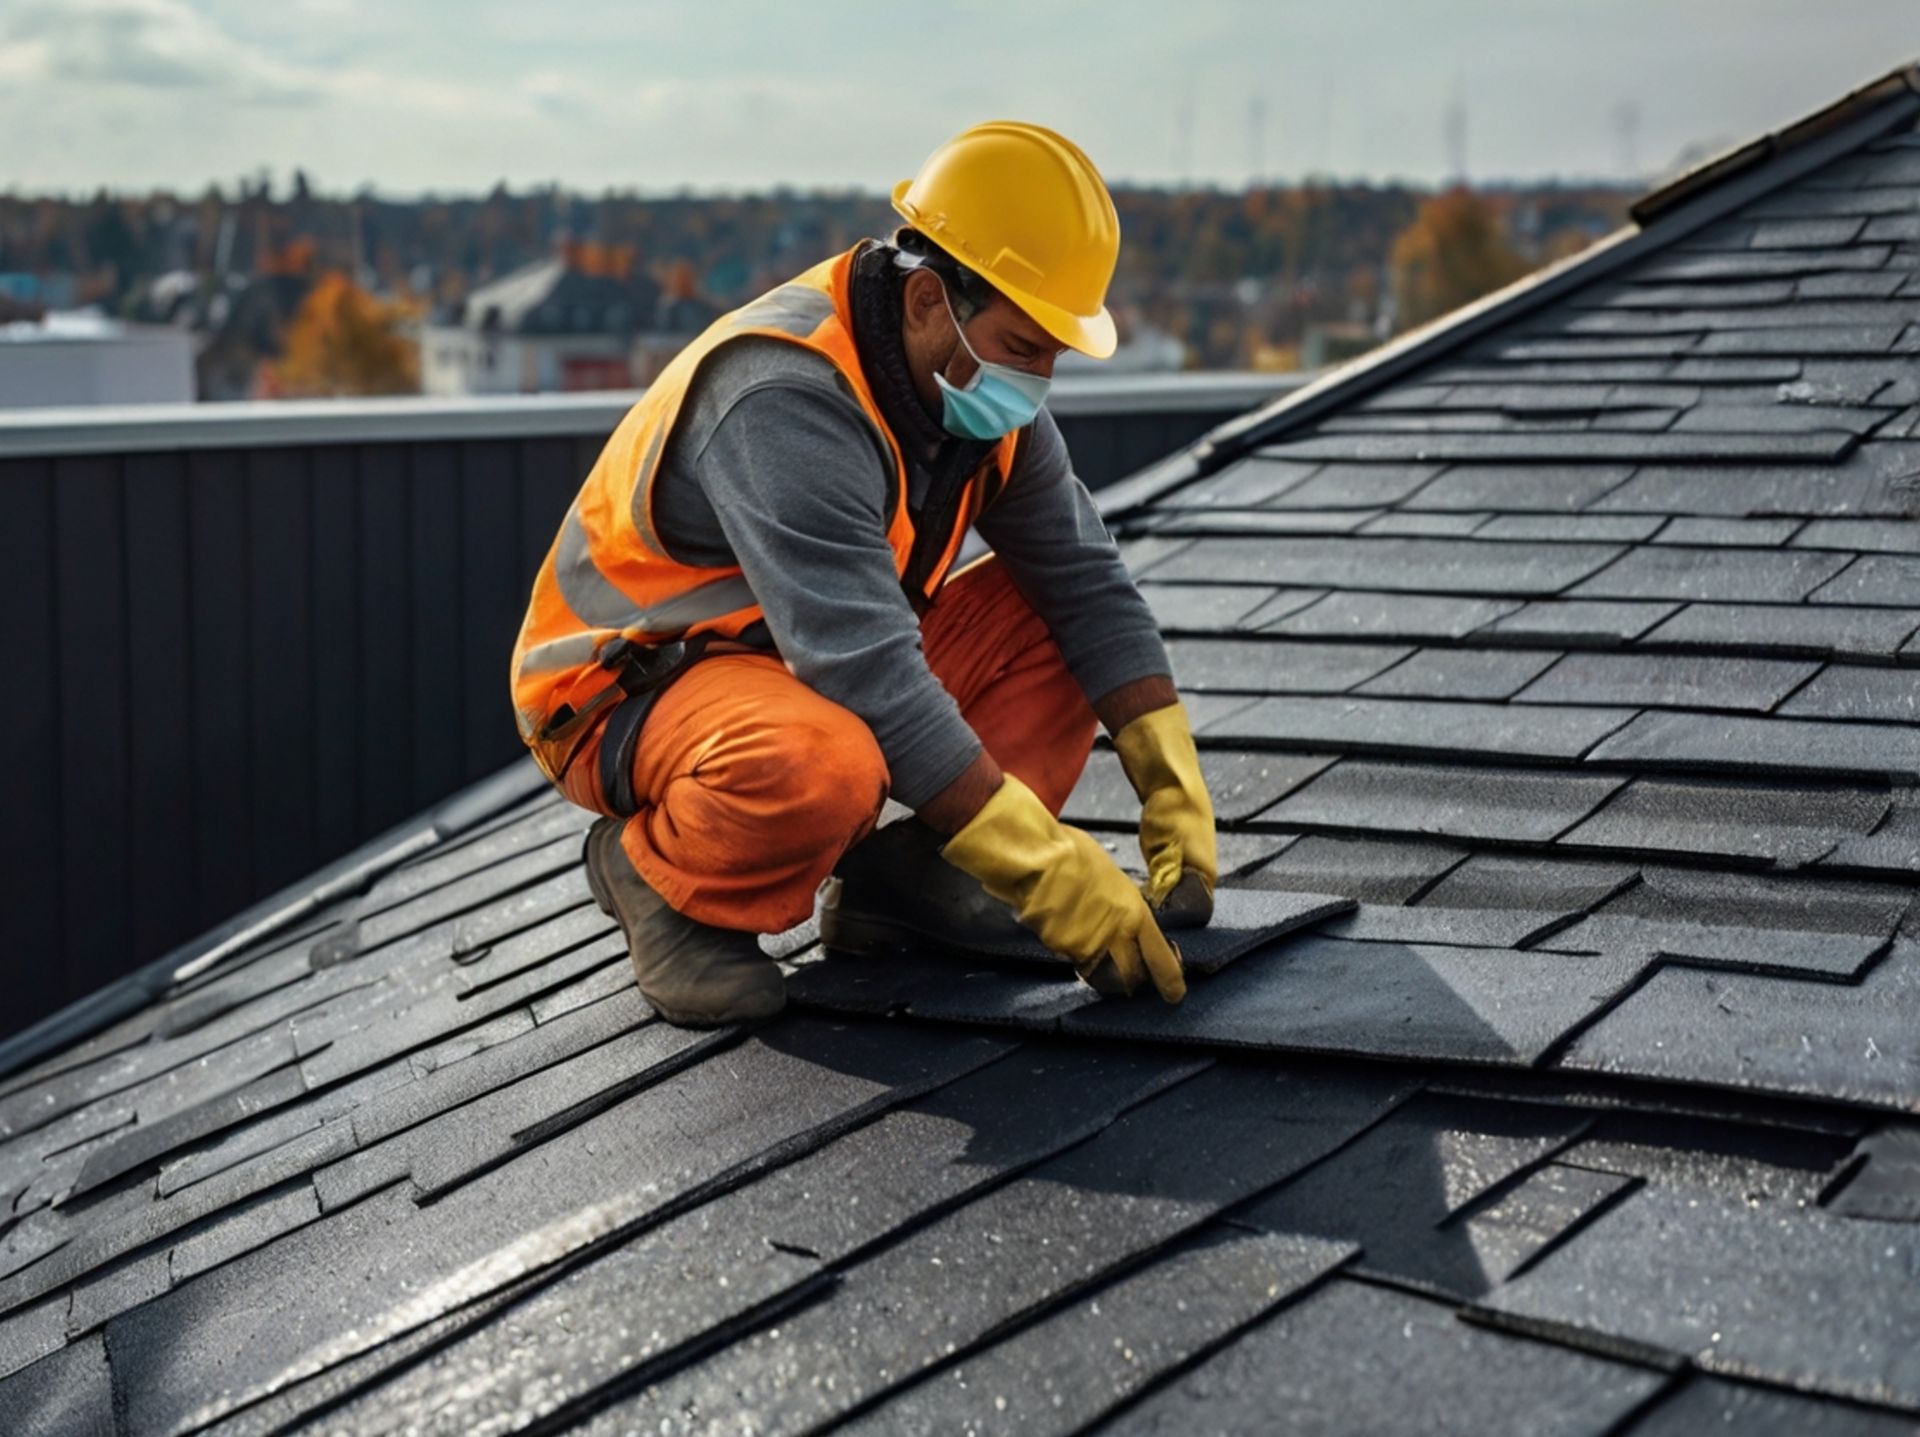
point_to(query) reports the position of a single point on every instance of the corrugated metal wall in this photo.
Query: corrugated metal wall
(229, 665)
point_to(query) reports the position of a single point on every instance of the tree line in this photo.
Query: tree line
(1239, 278)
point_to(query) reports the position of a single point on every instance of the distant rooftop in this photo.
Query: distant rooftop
(79, 326)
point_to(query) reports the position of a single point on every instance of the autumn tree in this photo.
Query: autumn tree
(1450, 255)
(344, 341)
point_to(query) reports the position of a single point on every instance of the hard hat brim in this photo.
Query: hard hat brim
(1092, 334)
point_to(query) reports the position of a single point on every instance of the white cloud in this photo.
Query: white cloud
(449, 95)
(145, 44)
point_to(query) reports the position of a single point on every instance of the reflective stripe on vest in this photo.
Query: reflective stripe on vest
(607, 574)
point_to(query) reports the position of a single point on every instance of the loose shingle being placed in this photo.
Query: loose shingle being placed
(1570, 639)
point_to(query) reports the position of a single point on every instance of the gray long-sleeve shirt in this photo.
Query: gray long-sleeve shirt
(774, 466)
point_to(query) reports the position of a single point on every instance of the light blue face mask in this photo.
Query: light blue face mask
(996, 401)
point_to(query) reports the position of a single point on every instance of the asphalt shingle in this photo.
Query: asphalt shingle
(1384, 1000)
(1437, 566)
(1668, 681)
(1788, 826)
(1459, 674)
(1587, 622)
(1713, 575)
(1411, 618)
(1066, 1370)
(1394, 1189)
(1797, 747)
(1617, 599)
(1797, 629)
(1744, 919)
(1439, 800)
(1844, 691)
(1773, 1033)
(1824, 1312)
(1414, 726)
(1415, 1357)
(1370, 870)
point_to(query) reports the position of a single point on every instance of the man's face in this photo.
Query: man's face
(999, 334)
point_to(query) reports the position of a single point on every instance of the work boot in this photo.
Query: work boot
(893, 891)
(694, 975)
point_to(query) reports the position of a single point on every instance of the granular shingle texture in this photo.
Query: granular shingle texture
(1555, 691)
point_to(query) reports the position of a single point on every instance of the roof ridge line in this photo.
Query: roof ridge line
(1715, 169)
(1784, 156)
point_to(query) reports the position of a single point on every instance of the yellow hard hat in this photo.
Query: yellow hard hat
(1025, 209)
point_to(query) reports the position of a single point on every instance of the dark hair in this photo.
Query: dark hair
(969, 292)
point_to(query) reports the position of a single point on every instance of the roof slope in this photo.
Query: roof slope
(1573, 647)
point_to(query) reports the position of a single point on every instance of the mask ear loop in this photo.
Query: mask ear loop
(904, 259)
(960, 333)
(907, 260)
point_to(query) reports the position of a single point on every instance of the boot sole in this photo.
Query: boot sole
(871, 937)
(863, 936)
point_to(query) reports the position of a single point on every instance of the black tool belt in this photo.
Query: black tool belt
(642, 672)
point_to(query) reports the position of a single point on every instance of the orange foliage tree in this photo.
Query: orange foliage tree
(1450, 255)
(344, 341)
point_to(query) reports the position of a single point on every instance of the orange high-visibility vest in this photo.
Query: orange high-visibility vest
(608, 577)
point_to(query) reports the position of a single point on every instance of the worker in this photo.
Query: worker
(744, 637)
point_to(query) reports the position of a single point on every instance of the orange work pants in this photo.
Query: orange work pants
(751, 785)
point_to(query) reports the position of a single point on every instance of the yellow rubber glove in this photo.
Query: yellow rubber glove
(1176, 815)
(1063, 885)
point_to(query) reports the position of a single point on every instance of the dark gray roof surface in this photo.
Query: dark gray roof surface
(1557, 1071)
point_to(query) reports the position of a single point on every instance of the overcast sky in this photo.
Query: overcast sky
(451, 95)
